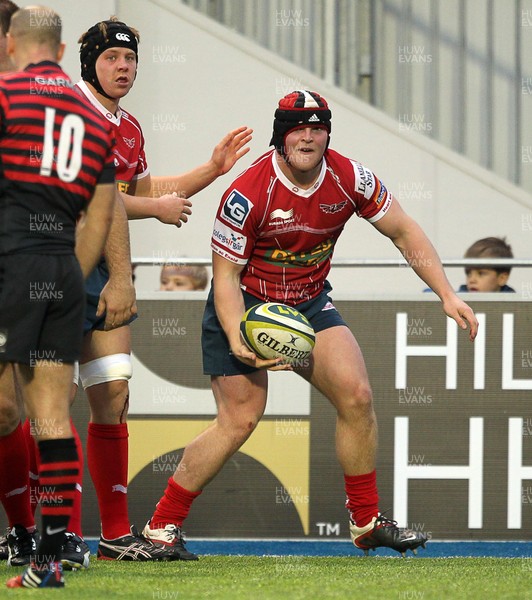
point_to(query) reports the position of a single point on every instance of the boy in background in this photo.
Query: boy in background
(488, 278)
(182, 278)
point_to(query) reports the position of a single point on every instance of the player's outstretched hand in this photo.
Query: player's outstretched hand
(172, 209)
(232, 148)
(463, 314)
(118, 302)
(245, 355)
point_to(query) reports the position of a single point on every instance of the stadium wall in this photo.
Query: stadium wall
(197, 80)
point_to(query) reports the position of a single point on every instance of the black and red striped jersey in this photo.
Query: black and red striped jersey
(54, 149)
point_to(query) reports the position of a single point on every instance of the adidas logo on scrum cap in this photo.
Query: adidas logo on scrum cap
(314, 118)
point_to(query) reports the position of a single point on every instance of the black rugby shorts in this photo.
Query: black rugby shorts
(42, 303)
(217, 356)
(94, 285)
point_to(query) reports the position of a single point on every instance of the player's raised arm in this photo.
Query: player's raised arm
(226, 153)
(143, 200)
(170, 209)
(417, 249)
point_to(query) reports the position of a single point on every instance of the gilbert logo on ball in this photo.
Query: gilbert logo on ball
(274, 330)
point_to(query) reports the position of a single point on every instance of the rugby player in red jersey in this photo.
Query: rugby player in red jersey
(109, 55)
(56, 163)
(273, 241)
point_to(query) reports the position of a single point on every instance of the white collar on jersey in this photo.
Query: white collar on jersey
(115, 119)
(304, 193)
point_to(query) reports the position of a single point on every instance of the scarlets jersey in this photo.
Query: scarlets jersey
(130, 159)
(54, 150)
(284, 236)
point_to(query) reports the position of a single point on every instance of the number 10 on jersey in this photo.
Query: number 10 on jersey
(70, 142)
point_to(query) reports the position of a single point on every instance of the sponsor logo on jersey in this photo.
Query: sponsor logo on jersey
(236, 209)
(331, 209)
(279, 213)
(381, 195)
(281, 219)
(129, 141)
(386, 205)
(230, 257)
(305, 258)
(123, 186)
(227, 237)
(54, 81)
(364, 180)
(117, 162)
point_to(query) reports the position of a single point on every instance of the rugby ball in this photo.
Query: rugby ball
(273, 330)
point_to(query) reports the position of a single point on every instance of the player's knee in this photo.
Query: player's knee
(244, 426)
(110, 402)
(358, 401)
(107, 369)
(105, 381)
(117, 392)
(238, 425)
(248, 426)
(363, 397)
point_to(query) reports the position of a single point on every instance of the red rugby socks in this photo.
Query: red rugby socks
(14, 479)
(174, 506)
(362, 497)
(107, 457)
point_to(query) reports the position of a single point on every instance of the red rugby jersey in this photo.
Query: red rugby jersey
(130, 158)
(285, 235)
(54, 150)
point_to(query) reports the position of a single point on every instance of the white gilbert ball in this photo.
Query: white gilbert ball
(273, 330)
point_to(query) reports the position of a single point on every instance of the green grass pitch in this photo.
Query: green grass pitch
(294, 578)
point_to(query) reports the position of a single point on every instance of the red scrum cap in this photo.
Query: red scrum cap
(296, 109)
